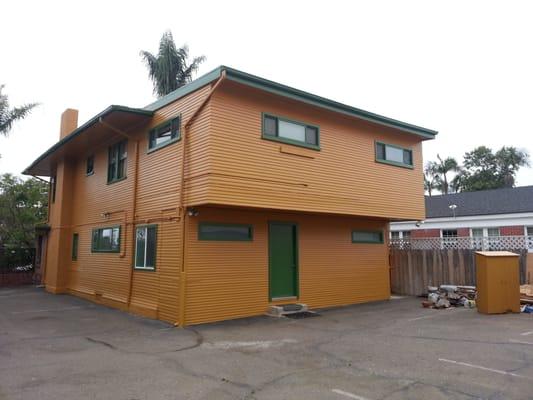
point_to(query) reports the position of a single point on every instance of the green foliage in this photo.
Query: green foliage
(23, 205)
(9, 116)
(436, 174)
(170, 68)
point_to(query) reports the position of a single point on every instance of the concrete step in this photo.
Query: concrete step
(285, 309)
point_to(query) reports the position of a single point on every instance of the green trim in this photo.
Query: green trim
(75, 245)
(94, 120)
(218, 237)
(168, 142)
(135, 267)
(96, 250)
(389, 162)
(296, 254)
(286, 140)
(381, 241)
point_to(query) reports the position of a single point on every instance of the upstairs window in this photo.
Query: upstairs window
(291, 132)
(395, 155)
(90, 166)
(118, 153)
(53, 184)
(106, 240)
(164, 134)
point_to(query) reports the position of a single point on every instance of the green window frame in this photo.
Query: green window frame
(285, 130)
(89, 170)
(118, 155)
(75, 241)
(367, 236)
(145, 247)
(164, 134)
(106, 240)
(225, 232)
(392, 154)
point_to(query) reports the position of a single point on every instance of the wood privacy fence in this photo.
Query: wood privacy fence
(413, 270)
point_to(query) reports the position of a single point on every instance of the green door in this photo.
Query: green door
(283, 259)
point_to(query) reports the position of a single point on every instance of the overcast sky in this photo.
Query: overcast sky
(464, 68)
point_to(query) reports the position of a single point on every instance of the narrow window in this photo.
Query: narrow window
(118, 154)
(53, 184)
(164, 134)
(75, 239)
(292, 132)
(395, 155)
(367, 237)
(106, 240)
(220, 231)
(145, 247)
(90, 166)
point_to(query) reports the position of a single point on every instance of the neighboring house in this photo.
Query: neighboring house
(228, 195)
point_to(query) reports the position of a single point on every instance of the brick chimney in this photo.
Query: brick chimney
(69, 122)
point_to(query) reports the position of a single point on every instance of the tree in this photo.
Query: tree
(440, 170)
(23, 204)
(483, 169)
(430, 174)
(9, 116)
(170, 68)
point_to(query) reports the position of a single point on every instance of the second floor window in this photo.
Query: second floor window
(164, 134)
(292, 132)
(90, 166)
(118, 153)
(391, 154)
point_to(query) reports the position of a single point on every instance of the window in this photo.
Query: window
(118, 154)
(229, 232)
(292, 132)
(145, 247)
(164, 134)
(391, 154)
(367, 237)
(106, 240)
(529, 239)
(90, 166)
(53, 184)
(75, 239)
(395, 235)
(449, 233)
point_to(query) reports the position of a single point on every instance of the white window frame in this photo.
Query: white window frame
(529, 238)
(144, 267)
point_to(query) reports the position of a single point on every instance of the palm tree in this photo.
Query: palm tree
(170, 68)
(9, 116)
(442, 168)
(430, 177)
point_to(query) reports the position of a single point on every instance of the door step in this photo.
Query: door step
(287, 309)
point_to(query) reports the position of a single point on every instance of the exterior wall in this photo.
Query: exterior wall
(230, 279)
(463, 232)
(425, 233)
(341, 178)
(149, 194)
(517, 230)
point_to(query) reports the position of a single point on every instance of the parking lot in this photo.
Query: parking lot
(62, 347)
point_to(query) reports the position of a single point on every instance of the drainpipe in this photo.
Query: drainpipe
(182, 208)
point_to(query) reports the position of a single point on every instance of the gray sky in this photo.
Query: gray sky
(462, 68)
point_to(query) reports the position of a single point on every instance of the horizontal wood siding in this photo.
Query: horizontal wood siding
(342, 177)
(230, 279)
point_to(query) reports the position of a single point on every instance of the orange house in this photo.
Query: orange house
(228, 195)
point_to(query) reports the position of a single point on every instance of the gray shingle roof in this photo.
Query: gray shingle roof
(483, 202)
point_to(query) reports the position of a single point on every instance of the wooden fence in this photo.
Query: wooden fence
(412, 271)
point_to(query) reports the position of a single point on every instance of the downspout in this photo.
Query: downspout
(133, 206)
(182, 207)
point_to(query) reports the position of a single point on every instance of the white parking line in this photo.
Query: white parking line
(520, 341)
(526, 333)
(348, 394)
(50, 310)
(496, 371)
(424, 317)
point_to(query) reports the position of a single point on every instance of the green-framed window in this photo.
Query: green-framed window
(224, 232)
(75, 240)
(118, 154)
(367, 236)
(394, 155)
(89, 169)
(166, 133)
(106, 240)
(145, 247)
(291, 132)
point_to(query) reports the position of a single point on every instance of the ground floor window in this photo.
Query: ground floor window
(406, 235)
(106, 240)
(367, 237)
(529, 233)
(75, 239)
(223, 231)
(145, 247)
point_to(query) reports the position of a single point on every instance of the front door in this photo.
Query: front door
(283, 259)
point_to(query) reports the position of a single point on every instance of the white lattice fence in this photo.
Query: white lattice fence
(493, 243)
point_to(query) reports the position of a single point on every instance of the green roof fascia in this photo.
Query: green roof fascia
(289, 92)
(80, 129)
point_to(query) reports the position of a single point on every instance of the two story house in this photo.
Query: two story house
(226, 196)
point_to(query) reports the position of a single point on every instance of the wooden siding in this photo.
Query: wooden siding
(342, 177)
(230, 279)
